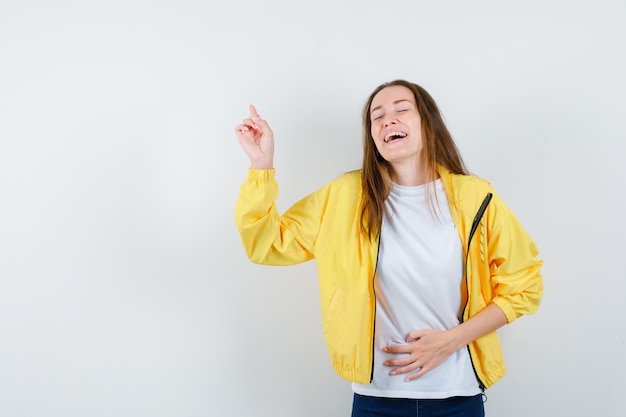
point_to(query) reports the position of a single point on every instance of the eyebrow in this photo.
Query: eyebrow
(395, 102)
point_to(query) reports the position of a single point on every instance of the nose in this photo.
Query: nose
(390, 120)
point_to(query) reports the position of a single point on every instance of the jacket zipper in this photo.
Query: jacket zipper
(374, 318)
(475, 223)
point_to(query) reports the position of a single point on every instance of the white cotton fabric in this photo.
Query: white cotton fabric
(418, 286)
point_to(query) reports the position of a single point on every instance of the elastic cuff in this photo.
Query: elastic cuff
(506, 308)
(261, 174)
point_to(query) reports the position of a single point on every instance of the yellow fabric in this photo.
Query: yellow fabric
(502, 265)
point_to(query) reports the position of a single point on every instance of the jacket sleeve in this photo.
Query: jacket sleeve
(514, 267)
(269, 238)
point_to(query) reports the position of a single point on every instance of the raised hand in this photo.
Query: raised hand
(257, 139)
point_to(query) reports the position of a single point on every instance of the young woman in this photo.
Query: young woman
(419, 263)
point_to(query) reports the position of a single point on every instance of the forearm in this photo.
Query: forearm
(488, 320)
(268, 237)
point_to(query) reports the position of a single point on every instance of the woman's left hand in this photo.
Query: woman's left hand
(425, 349)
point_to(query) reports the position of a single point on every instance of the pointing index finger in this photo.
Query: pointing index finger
(253, 112)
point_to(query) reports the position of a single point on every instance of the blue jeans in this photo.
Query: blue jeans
(364, 406)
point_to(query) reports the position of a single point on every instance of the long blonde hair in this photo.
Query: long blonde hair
(439, 149)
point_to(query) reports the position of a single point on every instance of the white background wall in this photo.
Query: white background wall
(124, 289)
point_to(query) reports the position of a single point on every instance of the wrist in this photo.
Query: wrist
(455, 338)
(262, 166)
(262, 163)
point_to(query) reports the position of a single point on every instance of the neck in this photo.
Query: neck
(410, 174)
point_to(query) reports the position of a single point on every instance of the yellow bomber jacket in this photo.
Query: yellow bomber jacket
(501, 264)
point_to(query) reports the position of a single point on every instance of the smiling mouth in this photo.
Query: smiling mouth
(391, 136)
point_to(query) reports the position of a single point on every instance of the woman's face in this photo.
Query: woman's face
(396, 125)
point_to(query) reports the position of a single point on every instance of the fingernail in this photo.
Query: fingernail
(392, 373)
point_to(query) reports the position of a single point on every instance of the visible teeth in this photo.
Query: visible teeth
(394, 135)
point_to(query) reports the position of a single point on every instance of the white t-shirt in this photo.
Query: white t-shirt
(418, 286)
